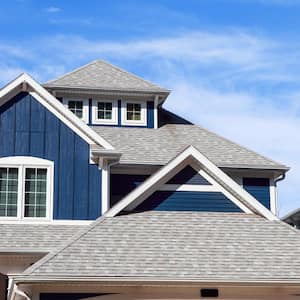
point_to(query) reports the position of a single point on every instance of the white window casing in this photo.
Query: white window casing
(85, 107)
(22, 163)
(125, 121)
(113, 120)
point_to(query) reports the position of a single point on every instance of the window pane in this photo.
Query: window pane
(129, 115)
(108, 115)
(35, 192)
(8, 192)
(100, 114)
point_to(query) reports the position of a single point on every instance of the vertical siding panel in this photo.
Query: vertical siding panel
(150, 114)
(81, 180)
(66, 173)
(94, 192)
(52, 145)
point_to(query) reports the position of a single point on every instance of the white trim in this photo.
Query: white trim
(188, 188)
(85, 107)
(22, 163)
(156, 111)
(273, 197)
(105, 188)
(142, 122)
(113, 121)
(54, 106)
(243, 198)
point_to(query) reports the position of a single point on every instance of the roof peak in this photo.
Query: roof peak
(102, 75)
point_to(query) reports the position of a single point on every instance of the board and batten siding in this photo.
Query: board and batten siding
(259, 188)
(27, 128)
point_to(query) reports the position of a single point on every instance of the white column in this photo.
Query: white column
(273, 197)
(105, 187)
(156, 112)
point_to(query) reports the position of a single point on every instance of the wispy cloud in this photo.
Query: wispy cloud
(243, 85)
(53, 9)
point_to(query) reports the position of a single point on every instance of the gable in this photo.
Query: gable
(29, 129)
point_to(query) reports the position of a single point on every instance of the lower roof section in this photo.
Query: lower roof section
(34, 238)
(189, 246)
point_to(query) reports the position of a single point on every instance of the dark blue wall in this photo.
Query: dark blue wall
(123, 184)
(188, 176)
(28, 128)
(259, 188)
(188, 201)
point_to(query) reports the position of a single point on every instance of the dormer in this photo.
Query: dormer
(104, 95)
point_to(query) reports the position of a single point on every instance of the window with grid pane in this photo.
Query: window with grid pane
(104, 111)
(76, 107)
(133, 112)
(8, 192)
(35, 192)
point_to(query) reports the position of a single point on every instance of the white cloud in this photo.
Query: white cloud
(53, 9)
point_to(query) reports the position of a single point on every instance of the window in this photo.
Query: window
(25, 188)
(78, 107)
(134, 113)
(105, 112)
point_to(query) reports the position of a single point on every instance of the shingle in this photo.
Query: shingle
(181, 245)
(35, 237)
(104, 76)
(158, 146)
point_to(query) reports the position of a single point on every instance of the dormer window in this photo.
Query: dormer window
(105, 112)
(25, 188)
(78, 107)
(134, 113)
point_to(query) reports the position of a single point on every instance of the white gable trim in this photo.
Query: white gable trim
(231, 189)
(26, 83)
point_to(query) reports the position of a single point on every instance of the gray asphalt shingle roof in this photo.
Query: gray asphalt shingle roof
(159, 146)
(180, 245)
(35, 237)
(104, 76)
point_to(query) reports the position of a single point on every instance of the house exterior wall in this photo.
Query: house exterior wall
(29, 129)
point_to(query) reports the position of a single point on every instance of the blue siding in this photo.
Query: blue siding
(188, 201)
(188, 176)
(28, 128)
(123, 184)
(259, 188)
(150, 114)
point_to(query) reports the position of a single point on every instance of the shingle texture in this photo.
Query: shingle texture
(102, 75)
(34, 237)
(181, 245)
(159, 146)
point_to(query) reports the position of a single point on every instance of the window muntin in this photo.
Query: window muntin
(104, 110)
(133, 112)
(35, 193)
(26, 185)
(8, 192)
(76, 107)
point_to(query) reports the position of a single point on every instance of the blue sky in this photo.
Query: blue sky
(233, 65)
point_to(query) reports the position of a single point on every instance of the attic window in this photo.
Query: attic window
(134, 113)
(78, 107)
(105, 112)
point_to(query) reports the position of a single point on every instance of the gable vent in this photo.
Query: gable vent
(209, 293)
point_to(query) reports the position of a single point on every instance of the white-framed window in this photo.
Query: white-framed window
(80, 108)
(26, 188)
(105, 112)
(134, 113)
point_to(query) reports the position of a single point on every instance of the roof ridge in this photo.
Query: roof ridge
(71, 72)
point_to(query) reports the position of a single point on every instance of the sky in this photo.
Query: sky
(233, 65)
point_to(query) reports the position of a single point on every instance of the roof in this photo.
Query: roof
(101, 75)
(293, 217)
(34, 237)
(178, 246)
(158, 146)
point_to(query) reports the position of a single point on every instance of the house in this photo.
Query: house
(104, 194)
(293, 218)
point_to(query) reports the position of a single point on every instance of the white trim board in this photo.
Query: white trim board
(26, 83)
(228, 186)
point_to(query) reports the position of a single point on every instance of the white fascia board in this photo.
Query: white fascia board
(151, 184)
(57, 108)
